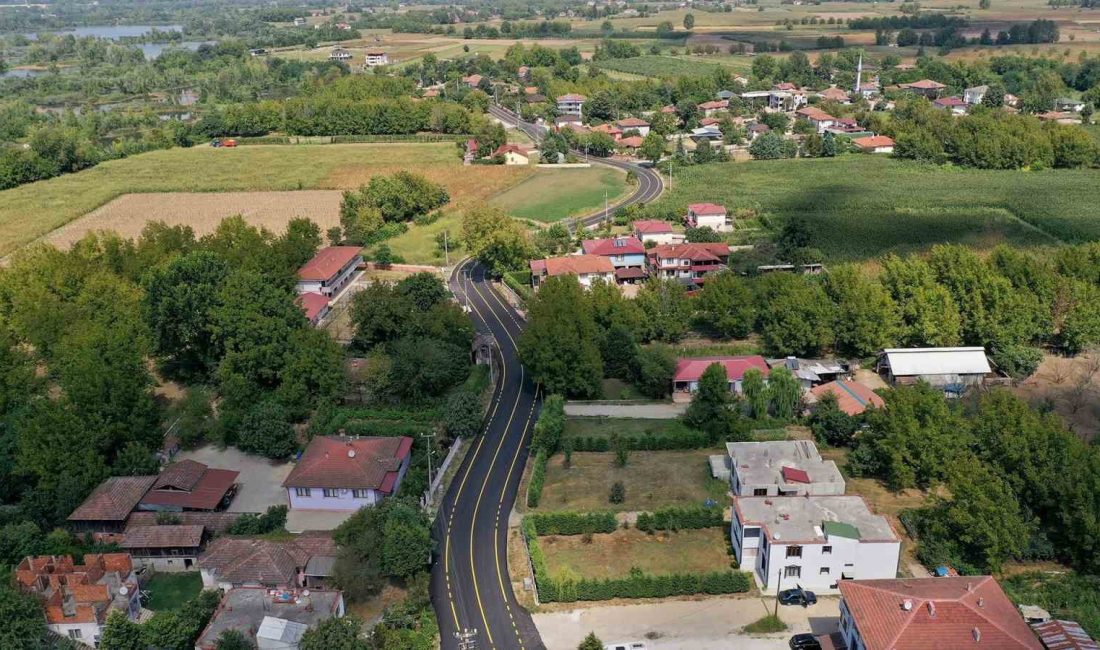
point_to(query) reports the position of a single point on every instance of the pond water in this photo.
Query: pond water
(113, 32)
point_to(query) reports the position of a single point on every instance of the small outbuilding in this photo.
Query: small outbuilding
(952, 370)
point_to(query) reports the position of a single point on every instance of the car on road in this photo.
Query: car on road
(797, 596)
(804, 642)
(632, 645)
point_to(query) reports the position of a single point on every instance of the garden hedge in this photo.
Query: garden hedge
(669, 442)
(573, 523)
(538, 475)
(680, 519)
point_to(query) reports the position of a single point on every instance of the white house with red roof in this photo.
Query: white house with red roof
(314, 306)
(819, 118)
(685, 379)
(656, 231)
(931, 614)
(814, 542)
(587, 268)
(689, 263)
(925, 87)
(709, 215)
(875, 144)
(624, 252)
(513, 154)
(329, 270)
(955, 105)
(634, 124)
(571, 104)
(346, 473)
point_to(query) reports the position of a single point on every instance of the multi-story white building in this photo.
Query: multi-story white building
(709, 215)
(329, 270)
(571, 104)
(811, 541)
(781, 468)
(376, 58)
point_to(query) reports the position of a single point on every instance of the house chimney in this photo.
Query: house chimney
(932, 609)
(977, 635)
(981, 602)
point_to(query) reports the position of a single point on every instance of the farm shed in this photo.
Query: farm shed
(952, 370)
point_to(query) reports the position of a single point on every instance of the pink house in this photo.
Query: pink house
(685, 381)
(347, 473)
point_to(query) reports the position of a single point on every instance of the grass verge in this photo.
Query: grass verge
(613, 555)
(770, 624)
(169, 591)
(554, 194)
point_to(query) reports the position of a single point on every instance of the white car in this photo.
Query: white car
(632, 645)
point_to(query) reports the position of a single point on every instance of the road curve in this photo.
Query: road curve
(650, 185)
(470, 583)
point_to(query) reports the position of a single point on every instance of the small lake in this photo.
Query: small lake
(113, 32)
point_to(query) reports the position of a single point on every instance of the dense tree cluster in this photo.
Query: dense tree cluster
(390, 540)
(1018, 485)
(381, 208)
(173, 629)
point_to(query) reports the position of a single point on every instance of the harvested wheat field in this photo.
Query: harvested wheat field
(128, 214)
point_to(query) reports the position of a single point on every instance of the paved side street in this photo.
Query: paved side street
(710, 624)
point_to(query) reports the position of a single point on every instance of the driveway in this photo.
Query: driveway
(654, 411)
(260, 484)
(706, 624)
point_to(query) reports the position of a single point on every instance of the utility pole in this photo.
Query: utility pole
(429, 437)
(606, 215)
(446, 248)
(778, 590)
(670, 174)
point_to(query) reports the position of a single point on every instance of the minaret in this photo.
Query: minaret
(859, 72)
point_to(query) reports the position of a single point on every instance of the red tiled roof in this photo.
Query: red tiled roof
(1064, 635)
(510, 148)
(215, 522)
(714, 104)
(113, 499)
(472, 80)
(352, 463)
(668, 109)
(814, 113)
(873, 141)
(632, 122)
(608, 128)
(614, 246)
(691, 369)
(312, 304)
(328, 262)
(925, 84)
(162, 537)
(652, 227)
(952, 612)
(786, 85)
(795, 475)
(632, 142)
(833, 93)
(207, 486)
(629, 273)
(573, 265)
(707, 209)
(852, 398)
(949, 102)
(696, 252)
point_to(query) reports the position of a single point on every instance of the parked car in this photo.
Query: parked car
(223, 143)
(804, 642)
(797, 596)
(632, 645)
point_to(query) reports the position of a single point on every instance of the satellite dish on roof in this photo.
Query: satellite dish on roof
(305, 592)
(123, 590)
(351, 453)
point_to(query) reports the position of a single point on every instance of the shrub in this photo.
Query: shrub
(538, 476)
(572, 523)
(618, 492)
(679, 519)
(266, 430)
(252, 524)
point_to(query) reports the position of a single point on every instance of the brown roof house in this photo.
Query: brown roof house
(931, 614)
(346, 473)
(329, 270)
(79, 597)
(110, 504)
(167, 548)
(237, 561)
(587, 268)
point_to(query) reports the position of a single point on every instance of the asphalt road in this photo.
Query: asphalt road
(471, 587)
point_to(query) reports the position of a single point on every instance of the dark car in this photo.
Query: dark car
(804, 642)
(797, 596)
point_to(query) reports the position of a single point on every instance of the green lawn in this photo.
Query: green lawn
(554, 194)
(599, 427)
(656, 65)
(616, 389)
(29, 211)
(612, 555)
(862, 206)
(168, 591)
(653, 479)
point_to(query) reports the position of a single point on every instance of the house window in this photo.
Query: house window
(329, 493)
(360, 494)
(794, 551)
(792, 572)
(824, 571)
(826, 550)
(75, 634)
(760, 492)
(301, 492)
(751, 533)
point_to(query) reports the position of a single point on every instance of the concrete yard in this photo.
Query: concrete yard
(705, 624)
(260, 484)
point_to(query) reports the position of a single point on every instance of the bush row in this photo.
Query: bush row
(538, 476)
(693, 440)
(679, 519)
(635, 585)
(515, 281)
(573, 523)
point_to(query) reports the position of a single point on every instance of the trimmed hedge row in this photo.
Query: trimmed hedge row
(679, 519)
(635, 585)
(669, 442)
(520, 282)
(538, 476)
(573, 523)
